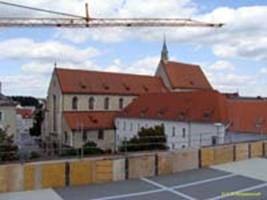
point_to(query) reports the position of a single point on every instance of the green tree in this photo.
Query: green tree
(8, 150)
(148, 139)
(27, 101)
(37, 124)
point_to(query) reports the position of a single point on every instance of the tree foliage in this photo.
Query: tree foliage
(148, 139)
(26, 101)
(8, 150)
(37, 124)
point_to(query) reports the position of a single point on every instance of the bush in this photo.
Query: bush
(34, 155)
(69, 152)
(90, 148)
(147, 140)
(8, 150)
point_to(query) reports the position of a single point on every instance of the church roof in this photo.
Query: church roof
(195, 106)
(94, 82)
(91, 120)
(248, 115)
(186, 76)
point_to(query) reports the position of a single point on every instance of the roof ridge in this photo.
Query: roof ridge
(184, 63)
(106, 72)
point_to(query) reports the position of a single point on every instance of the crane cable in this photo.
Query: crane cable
(40, 9)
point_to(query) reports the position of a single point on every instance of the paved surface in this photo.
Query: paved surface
(240, 178)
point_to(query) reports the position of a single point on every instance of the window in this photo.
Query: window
(66, 137)
(173, 146)
(75, 103)
(106, 103)
(1, 116)
(54, 113)
(85, 136)
(100, 135)
(91, 103)
(121, 103)
(184, 132)
(173, 131)
(131, 126)
(183, 146)
(124, 126)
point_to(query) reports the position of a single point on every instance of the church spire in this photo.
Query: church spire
(164, 52)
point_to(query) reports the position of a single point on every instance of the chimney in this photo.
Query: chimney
(0, 87)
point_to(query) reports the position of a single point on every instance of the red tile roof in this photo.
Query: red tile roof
(186, 76)
(90, 120)
(196, 106)
(25, 113)
(85, 82)
(248, 116)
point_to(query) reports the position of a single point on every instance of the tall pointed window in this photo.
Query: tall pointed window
(121, 103)
(91, 103)
(106, 103)
(54, 113)
(75, 102)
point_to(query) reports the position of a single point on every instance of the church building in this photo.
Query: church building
(82, 105)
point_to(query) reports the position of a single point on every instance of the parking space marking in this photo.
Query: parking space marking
(164, 188)
(204, 181)
(168, 189)
(130, 195)
(239, 191)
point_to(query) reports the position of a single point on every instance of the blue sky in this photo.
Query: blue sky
(234, 58)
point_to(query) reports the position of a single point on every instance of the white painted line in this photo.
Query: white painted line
(164, 188)
(130, 195)
(204, 181)
(168, 189)
(239, 191)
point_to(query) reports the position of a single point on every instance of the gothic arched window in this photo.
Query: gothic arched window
(121, 103)
(106, 103)
(75, 102)
(91, 103)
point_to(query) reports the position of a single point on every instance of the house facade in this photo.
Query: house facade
(25, 119)
(7, 115)
(190, 119)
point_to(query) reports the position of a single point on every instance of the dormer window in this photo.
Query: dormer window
(75, 102)
(126, 87)
(206, 115)
(105, 86)
(82, 85)
(145, 88)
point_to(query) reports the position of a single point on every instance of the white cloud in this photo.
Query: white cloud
(263, 71)
(23, 48)
(145, 66)
(36, 75)
(222, 65)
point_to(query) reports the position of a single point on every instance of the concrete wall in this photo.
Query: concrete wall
(241, 151)
(172, 162)
(141, 166)
(256, 149)
(38, 175)
(196, 134)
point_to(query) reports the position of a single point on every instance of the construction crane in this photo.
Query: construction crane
(76, 21)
